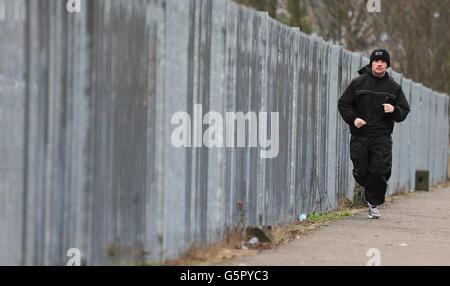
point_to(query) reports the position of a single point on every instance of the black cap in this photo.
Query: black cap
(380, 54)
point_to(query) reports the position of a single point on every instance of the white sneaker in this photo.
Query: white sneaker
(374, 212)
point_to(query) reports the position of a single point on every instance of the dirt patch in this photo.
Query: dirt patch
(233, 246)
(236, 245)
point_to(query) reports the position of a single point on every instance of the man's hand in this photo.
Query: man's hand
(388, 108)
(359, 122)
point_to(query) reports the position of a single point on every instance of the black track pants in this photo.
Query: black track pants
(372, 161)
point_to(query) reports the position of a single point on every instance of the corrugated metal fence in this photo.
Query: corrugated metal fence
(86, 103)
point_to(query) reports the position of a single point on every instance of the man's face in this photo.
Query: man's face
(379, 67)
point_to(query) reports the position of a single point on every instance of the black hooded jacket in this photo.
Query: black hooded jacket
(364, 98)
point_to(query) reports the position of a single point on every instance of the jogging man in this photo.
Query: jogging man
(370, 105)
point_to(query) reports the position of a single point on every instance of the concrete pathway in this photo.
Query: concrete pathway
(414, 230)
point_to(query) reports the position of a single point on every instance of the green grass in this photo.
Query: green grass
(328, 216)
(146, 263)
(139, 263)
